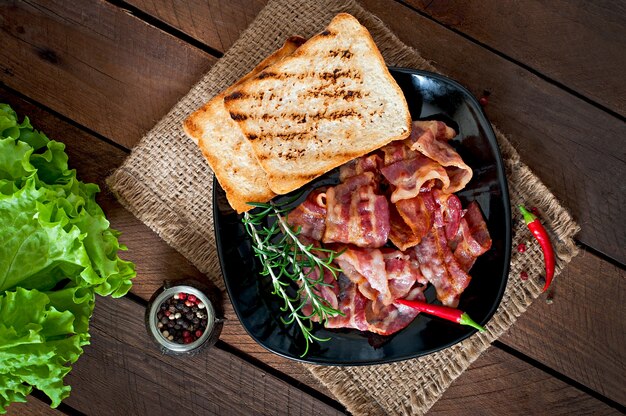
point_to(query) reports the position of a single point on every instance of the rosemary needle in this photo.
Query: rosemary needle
(285, 259)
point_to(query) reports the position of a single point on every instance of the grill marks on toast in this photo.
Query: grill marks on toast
(327, 85)
(296, 117)
(331, 101)
(333, 76)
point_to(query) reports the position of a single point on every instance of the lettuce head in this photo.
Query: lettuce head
(57, 252)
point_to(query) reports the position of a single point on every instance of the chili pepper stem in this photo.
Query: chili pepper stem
(528, 216)
(466, 320)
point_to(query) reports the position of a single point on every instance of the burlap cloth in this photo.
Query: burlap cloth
(167, 184)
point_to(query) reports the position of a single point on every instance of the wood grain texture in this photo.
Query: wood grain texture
(584, 343)
(215, 23)
(32, 407)
(123, 74)
(497, 385)
(123, 370)
(577, 43)
(574, 147)
(589, 327)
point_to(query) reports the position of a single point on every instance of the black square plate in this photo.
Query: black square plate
(430, 96)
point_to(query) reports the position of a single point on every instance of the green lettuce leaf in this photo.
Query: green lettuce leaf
(58, 251)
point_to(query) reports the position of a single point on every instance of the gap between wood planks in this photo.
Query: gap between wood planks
(165, 27)
(65, 118)
(231, 349)
(63, 407)
(521, 64)
(603, 256)
(559, 376)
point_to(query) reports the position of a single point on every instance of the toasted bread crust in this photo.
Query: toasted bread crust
(226, 149)
(331, 101)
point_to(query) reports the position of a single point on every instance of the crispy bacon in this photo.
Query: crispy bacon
(366, 267)
(440, 267)
(402, 270)
(352, 304)
(382, 275)
(366, 315)
(400, 234)
(409, 175)
(310, 215)
(472, 238)
(369, 163)
(451, 210)
(430, 139)
(356, 214)
(438, 129)
(397, 151)
(417, 217)
(388, 319)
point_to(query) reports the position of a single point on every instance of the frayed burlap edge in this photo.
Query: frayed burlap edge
(409, 387)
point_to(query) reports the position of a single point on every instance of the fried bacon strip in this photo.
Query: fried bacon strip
(310, 216)
(356, 214)
(472, 238)
(402, 193)
(408, 176)
(430, 138)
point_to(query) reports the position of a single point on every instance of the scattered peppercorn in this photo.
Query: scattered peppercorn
(521, 247)
(180, 319)
(484, 100)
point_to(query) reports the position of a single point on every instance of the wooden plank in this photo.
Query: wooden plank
(496, 384)
(584, 343)
(217, 24)
(96, 64)
(123, 370)
(32, 407)
(156, 261)
(571, 145)
(580, 44)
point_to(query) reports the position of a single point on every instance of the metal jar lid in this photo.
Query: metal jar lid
(212, 309)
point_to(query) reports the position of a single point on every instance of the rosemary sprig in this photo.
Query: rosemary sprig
(285, 259)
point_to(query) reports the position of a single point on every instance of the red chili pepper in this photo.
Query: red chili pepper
(542, 237)
(445, 312)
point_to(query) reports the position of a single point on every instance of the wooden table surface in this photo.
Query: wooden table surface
(98, 74)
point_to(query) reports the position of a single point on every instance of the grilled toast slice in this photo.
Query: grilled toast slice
(226, 149)
(331, 101)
